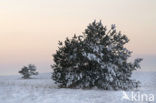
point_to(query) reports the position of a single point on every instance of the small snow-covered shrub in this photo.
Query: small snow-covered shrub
(28, 71)
(98, 58)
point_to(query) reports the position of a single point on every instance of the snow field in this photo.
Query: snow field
(42, 89)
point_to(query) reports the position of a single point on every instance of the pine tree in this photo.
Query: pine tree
(98, 58)
(28, 71)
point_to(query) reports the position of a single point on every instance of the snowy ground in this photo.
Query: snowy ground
(43, 90)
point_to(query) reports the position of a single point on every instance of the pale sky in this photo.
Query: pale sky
(31, 29)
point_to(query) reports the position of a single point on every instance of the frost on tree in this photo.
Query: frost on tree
(98, 58)
(28, 71)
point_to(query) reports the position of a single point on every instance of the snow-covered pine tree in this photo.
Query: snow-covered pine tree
(28, 71)
(98, 58)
